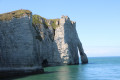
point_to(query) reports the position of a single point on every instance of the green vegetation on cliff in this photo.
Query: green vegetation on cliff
(15, 14)
(39, 20)
(54, 25)
(36, 18)
(47, 22)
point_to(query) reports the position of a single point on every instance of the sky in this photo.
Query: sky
(97, 21)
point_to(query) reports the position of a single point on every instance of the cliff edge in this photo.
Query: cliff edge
(29, 42)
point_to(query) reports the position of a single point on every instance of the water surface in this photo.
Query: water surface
(99, 68)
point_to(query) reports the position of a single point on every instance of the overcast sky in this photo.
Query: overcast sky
(97, 21)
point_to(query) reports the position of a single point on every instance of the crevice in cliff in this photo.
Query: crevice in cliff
(38, 34)
(53, 34)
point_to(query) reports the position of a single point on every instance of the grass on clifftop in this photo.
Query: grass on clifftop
(15, 14)
(37, 20)
(54, 23)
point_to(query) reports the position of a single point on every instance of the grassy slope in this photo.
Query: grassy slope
(36, 20)
(15, 14)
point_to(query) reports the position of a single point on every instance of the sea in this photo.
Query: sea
(98, 68)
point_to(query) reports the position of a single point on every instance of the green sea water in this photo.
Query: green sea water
(99, 68)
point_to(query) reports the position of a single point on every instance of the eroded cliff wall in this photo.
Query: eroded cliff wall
(32, 41)
(58, 43)
(68, 42)
(17, 45)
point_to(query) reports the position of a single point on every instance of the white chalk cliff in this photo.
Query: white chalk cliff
(68, 42)
(33, 45)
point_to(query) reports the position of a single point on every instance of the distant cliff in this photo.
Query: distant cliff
(28, 42)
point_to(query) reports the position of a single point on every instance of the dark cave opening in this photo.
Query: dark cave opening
(45, 63)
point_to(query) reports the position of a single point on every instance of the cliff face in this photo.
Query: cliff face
(59, 43)
(17, 45)
(68, 42)
(33, 41)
